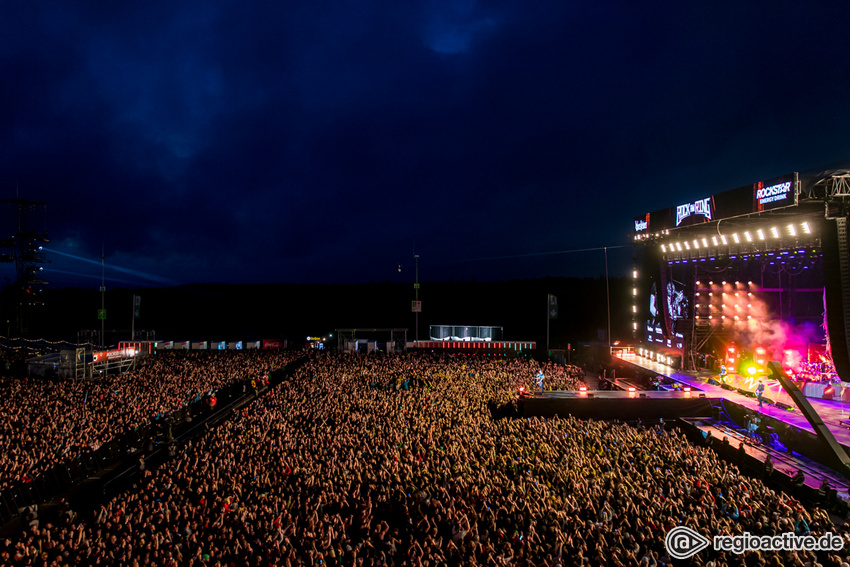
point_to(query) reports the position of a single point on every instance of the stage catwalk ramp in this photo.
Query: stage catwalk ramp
(612, 405)
(833, 413)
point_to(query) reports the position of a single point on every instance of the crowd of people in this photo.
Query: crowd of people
(344, 465)
(44, 423)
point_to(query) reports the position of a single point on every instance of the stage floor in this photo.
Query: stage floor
(831, 412)
(613, 394)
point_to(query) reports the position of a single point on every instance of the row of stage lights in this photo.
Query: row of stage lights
(639, 237)
(634, 302)
(773, 233)
(715, 309)
(656, 356)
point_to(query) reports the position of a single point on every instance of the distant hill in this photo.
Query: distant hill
(222, 312)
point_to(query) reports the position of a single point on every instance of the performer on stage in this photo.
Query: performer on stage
(540, 380)
(760, 392)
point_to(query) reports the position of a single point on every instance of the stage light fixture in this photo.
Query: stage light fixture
(760, 234)
(697, 282)
(705, 242)
(748, 236)
(687, 246)
(663, 248)
(806, 228)
(714, 240)
(723, 239)
(678, 247)
(775, 232)
(634, 291)
(634, 308)
(696, 244)
(632, 388)
(736, 239)
(751, 370)
(710, 282)
(634, 274)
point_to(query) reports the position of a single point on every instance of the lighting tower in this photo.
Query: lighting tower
(24, 248)
(416, 292)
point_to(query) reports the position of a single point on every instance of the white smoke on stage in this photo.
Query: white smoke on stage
(782, 340)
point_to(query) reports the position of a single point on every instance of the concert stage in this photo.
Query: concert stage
(748, 275)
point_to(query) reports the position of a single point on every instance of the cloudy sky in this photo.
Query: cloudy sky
(320, 141)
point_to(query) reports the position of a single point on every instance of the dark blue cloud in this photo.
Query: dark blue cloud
(234, 142)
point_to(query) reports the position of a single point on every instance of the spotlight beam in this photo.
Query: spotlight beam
(128, 271)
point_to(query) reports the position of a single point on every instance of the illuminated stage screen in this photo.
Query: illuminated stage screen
(667, 310)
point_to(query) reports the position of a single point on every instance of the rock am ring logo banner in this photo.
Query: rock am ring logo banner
(701, 207)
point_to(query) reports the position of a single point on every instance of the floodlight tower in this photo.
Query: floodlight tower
(416, 292)
(24, 248)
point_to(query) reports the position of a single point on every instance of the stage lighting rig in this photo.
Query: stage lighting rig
(24, 248)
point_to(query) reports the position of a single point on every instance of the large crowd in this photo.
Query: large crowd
(45, 423)
(396, 460)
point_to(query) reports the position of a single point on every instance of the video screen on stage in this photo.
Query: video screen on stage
(665, 309)
(677, 300)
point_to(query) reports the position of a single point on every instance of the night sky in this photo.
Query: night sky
(319, 142)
